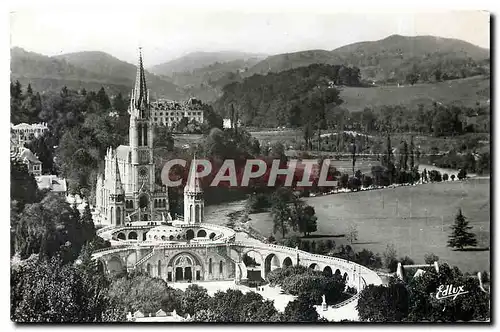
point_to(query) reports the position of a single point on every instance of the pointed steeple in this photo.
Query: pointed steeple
(118, 180)
(140, 93)
(193, 183)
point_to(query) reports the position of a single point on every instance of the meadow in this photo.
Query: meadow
(415, 219)
(467, 91)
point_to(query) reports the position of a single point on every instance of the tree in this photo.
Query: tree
(194, 299)
(120, 104)
(412, 78)
(438, 74)
(51, 227)
(384, 303)
(462, 174)
(305, 218)
(23, 186)
(367, 181)
(404, 157)
(43, 147)
(430, 258)
(282, 215)
(412, 154)
(103, 99)
(48, 291)
(435, 176)
(300, 310)
(354, 183)
(460, 236)
(390, 256)
(353, 148)
(344, 180)
(352, 233)
(474, 305)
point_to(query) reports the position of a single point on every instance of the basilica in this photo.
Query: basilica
(127, 191)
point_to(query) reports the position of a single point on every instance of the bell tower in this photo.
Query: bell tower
(194, 204)
(141, 144)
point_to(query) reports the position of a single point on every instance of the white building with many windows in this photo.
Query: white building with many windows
(168, 112)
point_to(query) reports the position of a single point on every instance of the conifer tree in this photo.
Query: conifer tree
(412, 154)
(460, 236)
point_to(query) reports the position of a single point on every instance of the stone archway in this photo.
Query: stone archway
(212, 235)
(143, 201)
(115, 265)
(313, 266)
(189, 234)
(327, 271)
(121, 236)
(101, 266)
(254, 265)
(201, 233)
(287, 262)
(132, 236)
(185, 267)
(271, 262)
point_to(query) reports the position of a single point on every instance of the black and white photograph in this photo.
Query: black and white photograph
(186, 165)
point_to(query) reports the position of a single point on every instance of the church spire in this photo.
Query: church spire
(193, 183)
(118, 180)
(140, 90)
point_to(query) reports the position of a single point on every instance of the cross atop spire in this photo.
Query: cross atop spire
(140, 90)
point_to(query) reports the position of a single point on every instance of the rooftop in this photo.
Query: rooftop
(51, 182)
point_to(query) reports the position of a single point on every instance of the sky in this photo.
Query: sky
(167, 34)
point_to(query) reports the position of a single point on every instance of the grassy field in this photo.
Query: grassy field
(468, 91)
(415, 219)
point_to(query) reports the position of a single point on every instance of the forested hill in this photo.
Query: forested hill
(393, 59)
(288, 98)
(88, 70)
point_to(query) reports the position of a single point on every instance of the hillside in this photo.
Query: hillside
(392, 58)
(207, 82)
(288, 98)
(89, 70)
(466, 91)
(197, 60)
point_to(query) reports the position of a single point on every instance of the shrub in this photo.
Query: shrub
(430, 258)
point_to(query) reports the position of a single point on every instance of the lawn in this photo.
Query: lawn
(415, 219)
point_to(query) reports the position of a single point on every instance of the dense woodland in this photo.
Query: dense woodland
(289, 98)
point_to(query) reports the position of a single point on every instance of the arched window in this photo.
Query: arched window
(145, 134)
(197, 214)
(139, 135)
(221, 267)
(210, 265)
(190, 212)
(118, 215)
(159, 268)
(111, 212)
(148, 268)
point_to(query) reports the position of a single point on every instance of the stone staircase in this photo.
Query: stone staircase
(145, 258)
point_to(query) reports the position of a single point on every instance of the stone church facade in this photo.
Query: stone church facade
(127, 190)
